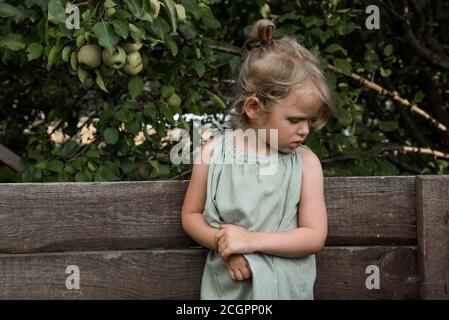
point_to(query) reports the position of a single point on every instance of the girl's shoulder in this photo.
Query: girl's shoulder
(309, 159)
(206, 150)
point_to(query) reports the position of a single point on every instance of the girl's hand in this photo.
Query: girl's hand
(238, 267)
(233, 239)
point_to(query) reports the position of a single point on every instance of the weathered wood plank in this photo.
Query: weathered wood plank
(39, 217)
(10, 158)
(433, 235)
(176, 274)
(371, 210)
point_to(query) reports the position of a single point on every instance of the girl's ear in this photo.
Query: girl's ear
(252, 108)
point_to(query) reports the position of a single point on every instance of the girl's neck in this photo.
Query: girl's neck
(247, 140)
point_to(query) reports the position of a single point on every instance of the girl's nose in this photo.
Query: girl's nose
(303, 131)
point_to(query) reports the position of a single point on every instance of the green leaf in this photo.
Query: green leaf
(136, 33)
(199, 67)
(235, 63)
(99, 81)
(109, 4)
(82, 74)
(289, 16)
(312, 21)
(56, 9)
(92, 152)
(181, 13)
(160, 28)
(79, 177)
(346, 28)
(91, 166)
(167, 90)
(385, 72)
(188, 30)
(208, 18)
(334, 47)
(171, 44)
(66, 53)
(139, 9)
(388, 50)
(133, 127)
(388, 126)
(418, 97)
(135, 86)
(127, 166)
(111, 135)
(55, 166)
(13, 41)
(121, 28)
(168, 113)
(106, 36)
(171, 12)
(54, 52)
(149, 111)
(7, 10)
(34, 51)
(68, 149)
(343, 65)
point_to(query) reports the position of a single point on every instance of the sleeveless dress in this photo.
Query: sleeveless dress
(239, 193)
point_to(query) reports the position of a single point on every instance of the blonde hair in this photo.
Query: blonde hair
(272, 70)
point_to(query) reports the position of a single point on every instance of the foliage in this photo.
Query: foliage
(189, 49)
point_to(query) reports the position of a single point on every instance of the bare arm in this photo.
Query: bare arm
(311, 234)
(308, 238)
(192, 218)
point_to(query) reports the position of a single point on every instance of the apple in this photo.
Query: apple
(132, 47)
(89, 56)
(132, 70)
(174, 101)
(115, 61)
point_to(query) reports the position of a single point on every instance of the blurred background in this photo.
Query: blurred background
(105, 100)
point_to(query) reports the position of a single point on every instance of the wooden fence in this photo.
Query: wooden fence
(127, 242)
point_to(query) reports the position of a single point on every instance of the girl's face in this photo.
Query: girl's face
(292, 117)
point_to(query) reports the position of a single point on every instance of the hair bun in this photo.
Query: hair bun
(262, 30)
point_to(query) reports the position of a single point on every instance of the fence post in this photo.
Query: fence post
(432, 209)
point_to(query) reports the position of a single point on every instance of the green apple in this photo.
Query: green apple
(134, 59)
(174, 101)
(132, 70)
(89, 56)
(115, 61)
(132, 47)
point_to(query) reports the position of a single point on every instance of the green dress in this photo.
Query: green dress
(237, 193)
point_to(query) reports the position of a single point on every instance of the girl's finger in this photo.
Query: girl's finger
(231, 274)
(238, 274)
(245, 273)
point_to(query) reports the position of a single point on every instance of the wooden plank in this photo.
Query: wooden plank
(10, 158)
(371, 210)
(176, 274)
(433, 235)
(342, 273)
(39, 217)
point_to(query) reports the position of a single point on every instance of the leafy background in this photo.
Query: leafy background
(191, 55)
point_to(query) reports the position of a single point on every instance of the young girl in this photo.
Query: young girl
(263, 230)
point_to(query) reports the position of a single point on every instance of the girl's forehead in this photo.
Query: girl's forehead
(303, 100)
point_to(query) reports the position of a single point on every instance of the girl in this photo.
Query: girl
(263, 230)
